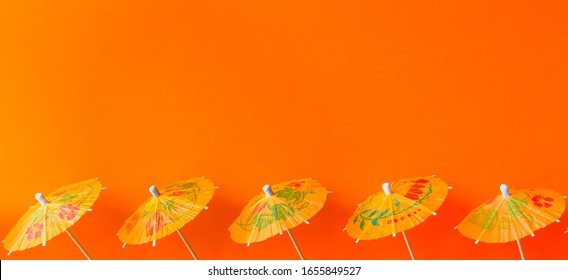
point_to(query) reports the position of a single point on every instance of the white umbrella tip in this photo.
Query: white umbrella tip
(456, 227)
(532, 234)
(558, 221)
(394, 234)
(386, 188)
(123, 245)
(450, 187)
(206, 207)
(39, 197)
(344, 229)
(268, 190)
(504, 190)
(154, 191)
(43, 244)
(357, 241)
(216, 187)
(280, 233)
(9, 253)
(434, 213)
(433, 175)
(154, 243)
(97, 178)
(476, 242)
(307, 222)
(248, 244)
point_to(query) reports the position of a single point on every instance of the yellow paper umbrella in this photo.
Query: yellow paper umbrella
(53, 215)
(512, 215)
(280, 208)
(167, 211)
(401, 206)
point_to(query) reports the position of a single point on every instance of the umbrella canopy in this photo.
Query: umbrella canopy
(52, 215)
(167, 211)
(512, 215)
(280, 208)
(401, 206)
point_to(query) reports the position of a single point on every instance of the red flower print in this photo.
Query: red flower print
(414, 191)
(155, 224)
(296, 184)
(68, 211)
(541, 201)
(421, 181)
(177, 193)
(34, 231)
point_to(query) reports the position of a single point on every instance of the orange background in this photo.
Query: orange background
(352, 93)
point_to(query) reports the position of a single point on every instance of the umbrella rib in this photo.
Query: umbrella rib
(517, 232)
(366, 228)
(483, 230)
(256, 221)
(392, 216)
(44, 232)
(536, 213)
(21, 237)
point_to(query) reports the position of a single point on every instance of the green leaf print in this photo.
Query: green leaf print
(303, 206)
(168, 205)
(290, 194)
(281, 211)
(263, 221)
(188, 185)
(362, 225)
(396, 203)
(67, 197)
(375, 222)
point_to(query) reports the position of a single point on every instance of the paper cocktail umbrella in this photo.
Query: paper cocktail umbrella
(167, 211)
(280, 208)
(401, 206)
(512, 215)
(53, 215)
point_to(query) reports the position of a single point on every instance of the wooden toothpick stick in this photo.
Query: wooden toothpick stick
(295, 245)
(187, 244)
(78, 245)
(408, 245)
(521, 249)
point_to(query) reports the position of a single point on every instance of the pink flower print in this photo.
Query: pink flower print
(34, 231)
(68, 211)
(155, 224)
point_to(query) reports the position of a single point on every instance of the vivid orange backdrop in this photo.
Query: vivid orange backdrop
(353, 93)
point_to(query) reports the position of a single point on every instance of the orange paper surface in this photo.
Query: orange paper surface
(247, 93)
